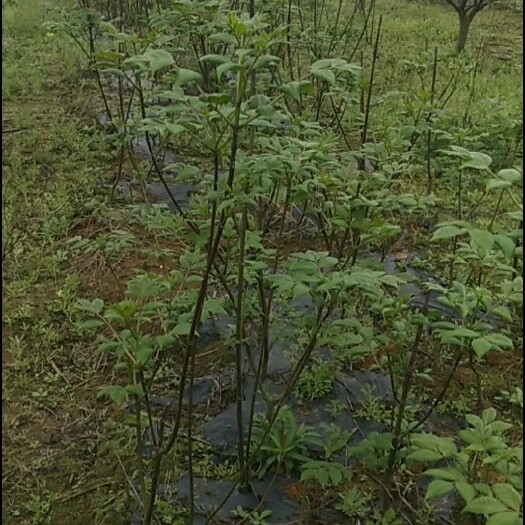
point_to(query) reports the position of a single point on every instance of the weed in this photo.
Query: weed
(336, 407)
(254, 518)
(485, 456)
(316, 381)
(283, 445)
(39, 508)
(372, 408)
(168, 514)
(354, 504)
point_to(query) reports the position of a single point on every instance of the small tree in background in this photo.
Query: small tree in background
(466, 10)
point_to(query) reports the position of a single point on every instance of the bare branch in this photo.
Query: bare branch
(453, 4)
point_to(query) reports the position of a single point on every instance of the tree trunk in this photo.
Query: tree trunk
(464, 26)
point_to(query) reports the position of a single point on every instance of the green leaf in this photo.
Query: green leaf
(300, 289)
(425, 456)
(466, 490)
(446, 447)
(324, 74)
(485, 505)
(483, 488)
(390, 280)
(91, 323)
(108, 28)
(135, 390)
(481, 346)
(164, 340)
(474, 421)
(145, 286)
(212, 307)
(516, 215)
(322, 472)
(186, 76)
(265, 61)
(182, 329)
(446, 474)
(506, 245)
(109, 346)
(94, 306)
(458, 151)
(118, 394)
(114, 71)
(488, 415)
(507, 494)
(477, 161)
(218, 99)
(144, 354)
(336, 476)
(505, 518)
(437, 488)
(324, 63)
(295, 88)
(214, 59)
(470, 436)
(482, 240)
(510, 175)
(283, 282)
(496, 184)
(463, 332)
(260, 123)
(224, 38)
(502, 312)
(159, 59)
(498, 427)
(500, 340)
(174, 129)
(227, 66)
(448, 232)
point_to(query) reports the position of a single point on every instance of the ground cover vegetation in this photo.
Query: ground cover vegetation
(262, 262)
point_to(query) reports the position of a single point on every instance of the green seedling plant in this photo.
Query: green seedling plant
(326, 474)
(167, 514)
(384, 518)
(83, 27)
(336, 407)
(514, 398)
(315, 381)
(471, 337)
(372, 408)
(130, 338)
(285, 446)
(506, 183)
(354, 504)
(253, 518)
(477, 303)
(335, 439)
(373, 451)
(484, 468)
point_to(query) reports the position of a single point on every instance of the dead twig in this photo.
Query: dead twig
(12, 130)
(81, 493)
(130, 483)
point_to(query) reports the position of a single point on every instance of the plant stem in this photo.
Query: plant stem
(364, 133)
(405, 391)
(475, 371)
(442, 393)
(239, 338)
(429, 117)
(496, 210)
(191, 345)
